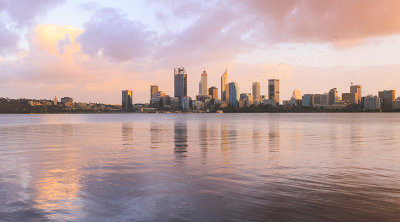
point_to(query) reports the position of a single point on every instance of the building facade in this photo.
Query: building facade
(127, 100)
(351, 98)
(387, 97)
(233, 94)
(224, 86)
(357, 90)
(153, 91)
(213, 92)
(256, 90)
(180, 82)
(308, 100)
(371, 103)
(203, 85)
(333, 96)
(273, 89)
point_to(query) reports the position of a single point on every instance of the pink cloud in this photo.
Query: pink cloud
(111, 34)
(23, 12)
(323, 21)
(8, 40)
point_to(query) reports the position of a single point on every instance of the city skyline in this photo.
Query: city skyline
(44, 52)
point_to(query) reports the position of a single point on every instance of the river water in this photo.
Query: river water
(200, 167)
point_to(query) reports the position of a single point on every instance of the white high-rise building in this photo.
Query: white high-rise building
(371, 102)
(203, 85)
(256, 90)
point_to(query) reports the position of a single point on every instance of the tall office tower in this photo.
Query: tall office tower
(200, 88)
(256, 90)
(127, 99)
(234, 94)
(153, 91)
(224, 83)
(296, 94)
(357, 90)
(387, 97)
(213, 92)
(333, 96)
(273, 89)
(203, 86)
(180, 82)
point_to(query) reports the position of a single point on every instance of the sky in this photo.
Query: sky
(91, 50)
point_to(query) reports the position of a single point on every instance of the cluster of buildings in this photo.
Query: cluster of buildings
(211, 99)
(68, 104)
(208, 98)
(385, 100)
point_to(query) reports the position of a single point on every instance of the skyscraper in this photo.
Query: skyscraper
(273, 89)
(213, 92)
(357, 90)
(224, 82)
(203, 85)
(387, 97)
(127, 100)
(153, 91)
(333, 96)
(180, 82)
(256, 90)
(233, 94)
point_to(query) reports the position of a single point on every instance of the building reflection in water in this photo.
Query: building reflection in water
(274, 136)
(203, 138)
(180, 138)
(155, 135)
(127, 134)
(355, 134)
(224, 137)
(256, 137)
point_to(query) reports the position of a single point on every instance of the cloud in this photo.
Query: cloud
(343, 23)
(215, 36)
(23, 12)
(323, 21)
(111, 34)
(45, 71)
(8, 40)
(90, 6)
(19, 14)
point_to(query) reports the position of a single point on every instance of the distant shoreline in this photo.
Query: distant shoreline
(164, 113)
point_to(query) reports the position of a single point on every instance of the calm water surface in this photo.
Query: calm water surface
(200, 167)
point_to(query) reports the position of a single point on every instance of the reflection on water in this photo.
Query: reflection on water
(180, 138)
(231, 167)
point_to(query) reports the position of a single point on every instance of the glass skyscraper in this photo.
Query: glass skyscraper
(233, 94)
(180, 82)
